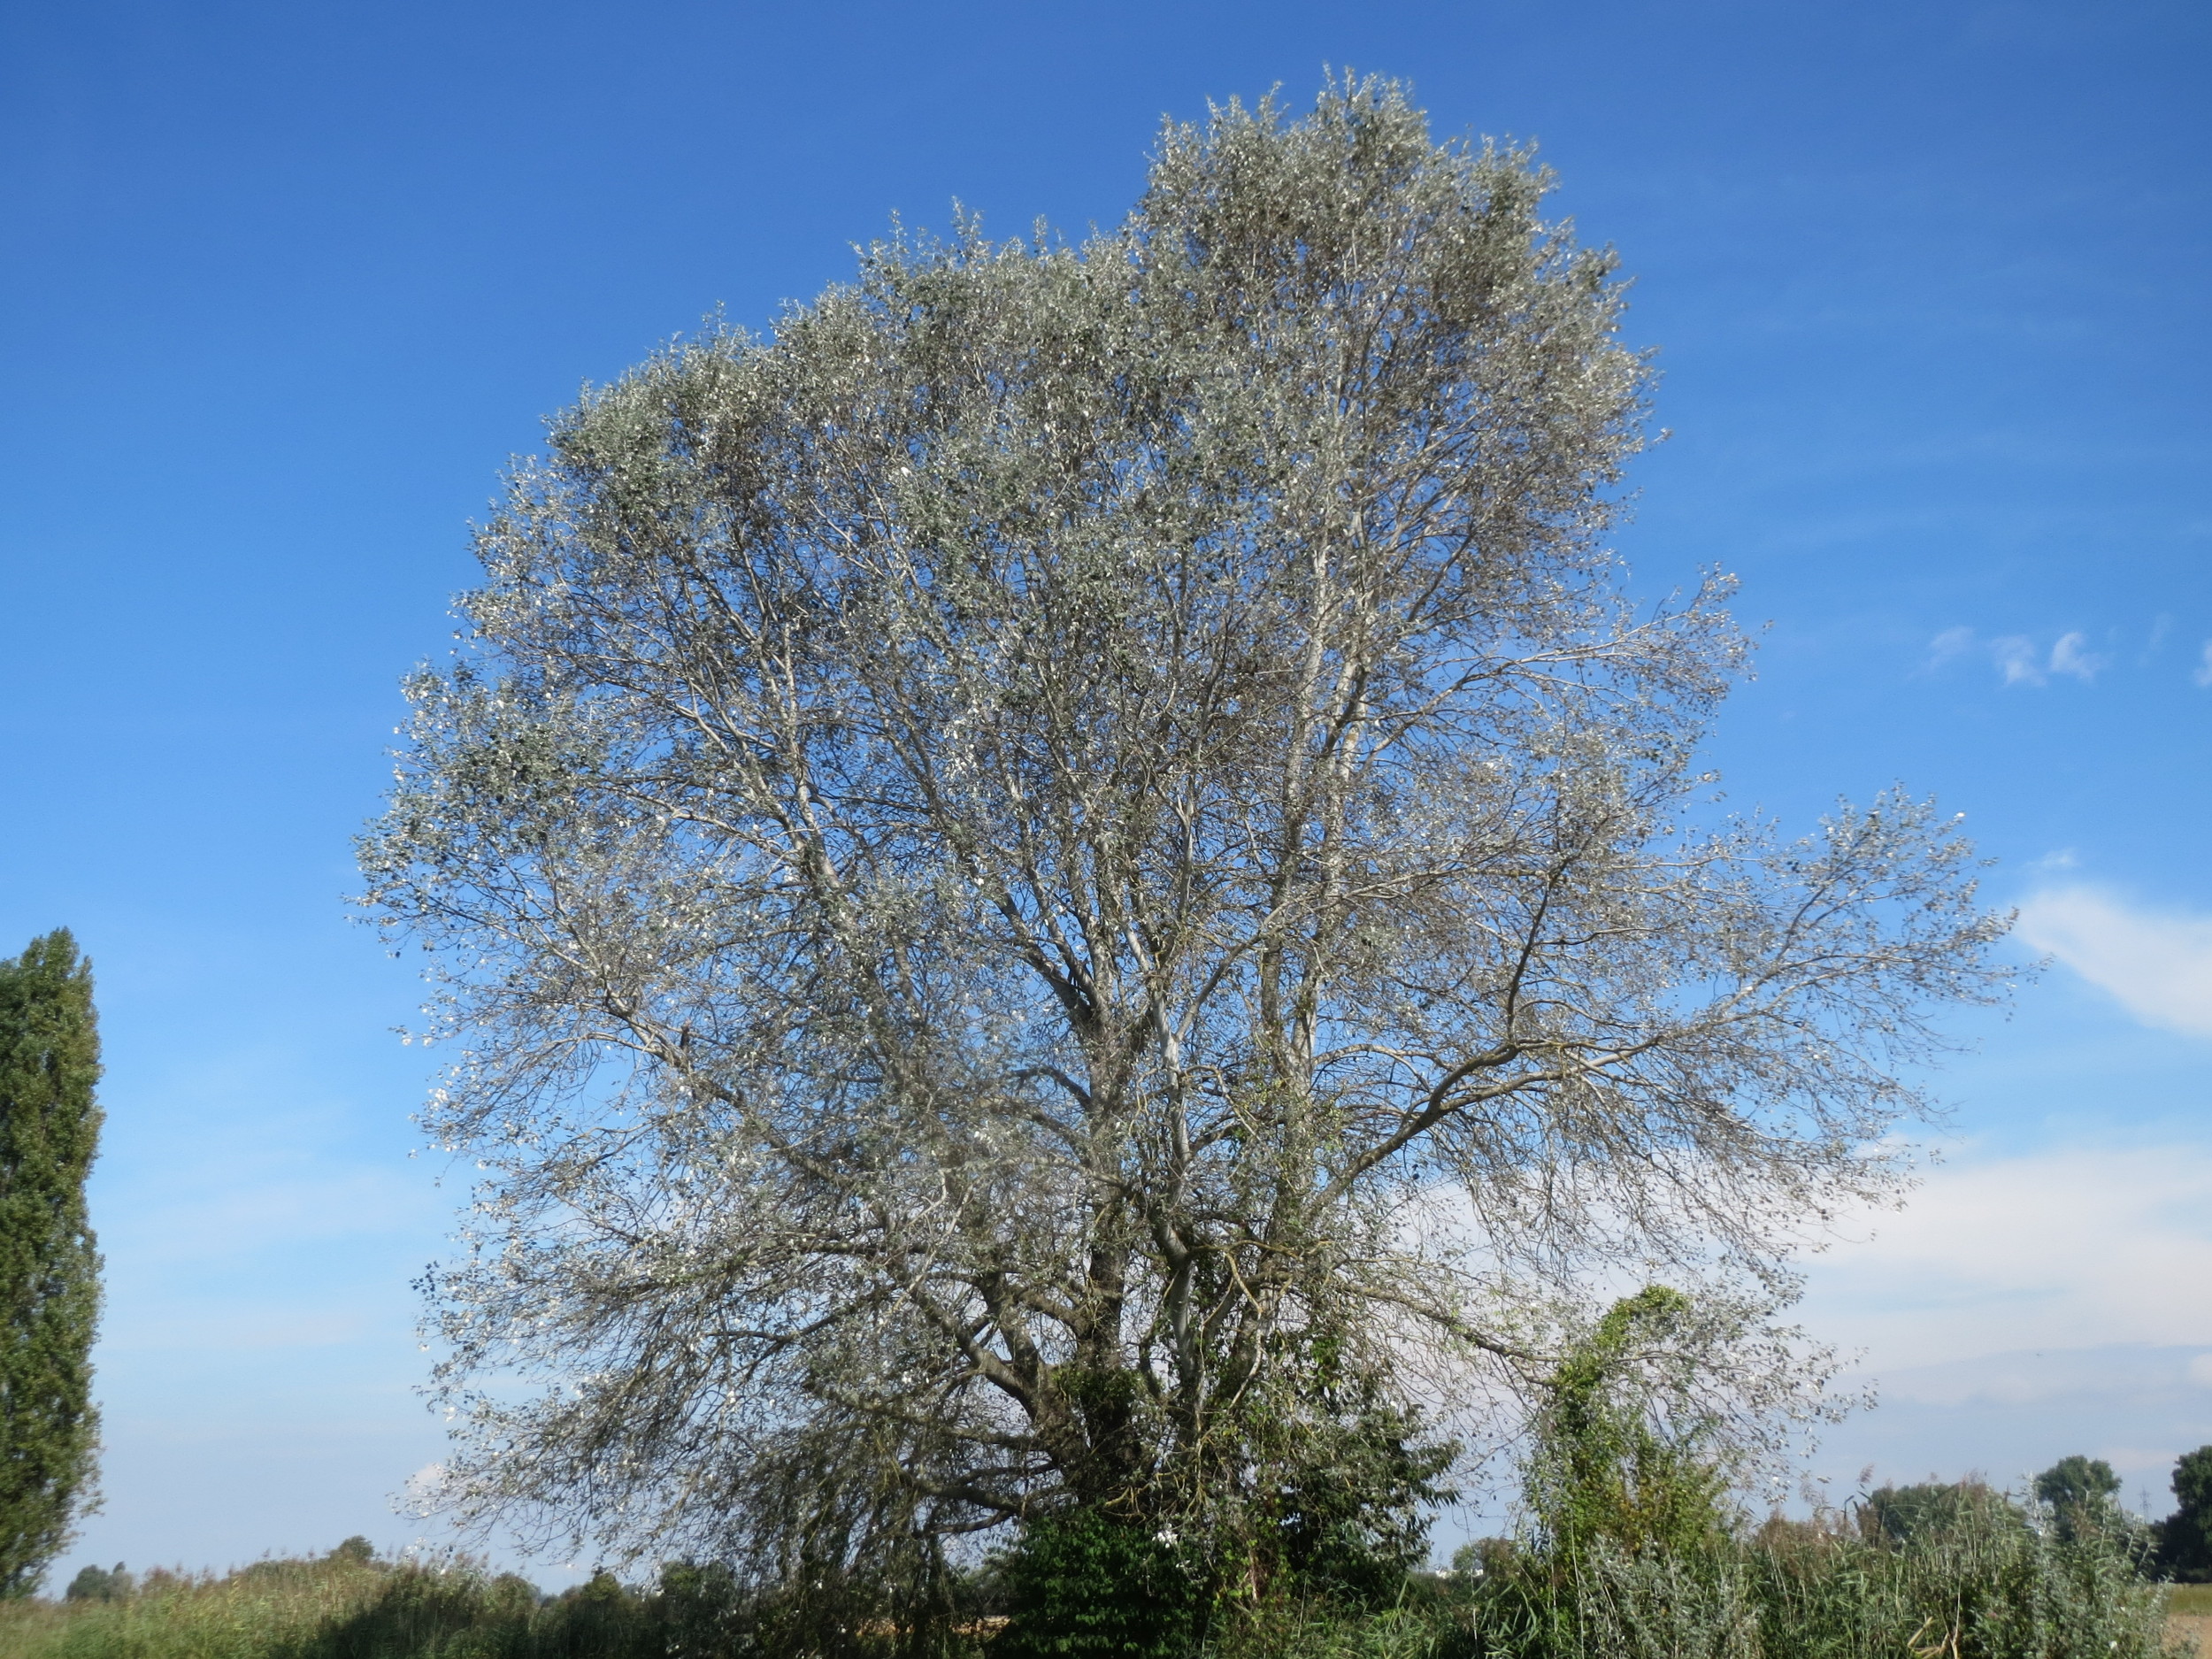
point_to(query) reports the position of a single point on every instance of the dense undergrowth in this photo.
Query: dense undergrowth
(1975, 1590)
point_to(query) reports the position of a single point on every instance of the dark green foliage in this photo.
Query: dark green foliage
(1088, 1586)
(456, 1615)
(1356, 1511)
(1320, 1490)
(2185, 1537)
(1338, 1487)
(2081, 1493)
(1612, 1462)
(49, 1270)
(701, 1611)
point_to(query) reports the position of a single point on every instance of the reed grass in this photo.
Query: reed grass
(272, 1608)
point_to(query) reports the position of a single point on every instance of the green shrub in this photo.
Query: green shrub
(1088, 1586)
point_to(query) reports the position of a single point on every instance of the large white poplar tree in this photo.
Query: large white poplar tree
(1054, 875)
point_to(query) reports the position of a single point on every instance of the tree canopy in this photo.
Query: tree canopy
(1073, 883)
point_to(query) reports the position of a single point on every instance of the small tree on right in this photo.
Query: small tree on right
(2185, 1537)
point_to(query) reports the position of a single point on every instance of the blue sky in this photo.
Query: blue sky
(282, 285)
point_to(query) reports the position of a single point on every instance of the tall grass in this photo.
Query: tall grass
(1995, 1586)
(1992, 1588)
(272, 1608)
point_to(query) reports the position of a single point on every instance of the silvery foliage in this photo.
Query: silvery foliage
(1009, 856)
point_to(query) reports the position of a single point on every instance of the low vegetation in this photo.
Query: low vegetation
(1990, 1580)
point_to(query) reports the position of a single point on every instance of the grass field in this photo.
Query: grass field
(2190, 1600)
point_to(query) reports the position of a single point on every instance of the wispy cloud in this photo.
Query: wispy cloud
(2070, 656)
(2020, 660)
(2203, 676)
(1949, 644)
(2017, 659)
(2158, 964)
(2072, 1247)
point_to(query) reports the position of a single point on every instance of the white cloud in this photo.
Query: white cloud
(2017, 659)
(2023, 1307)
(1950, 643)
(2203, 676)
(2076, 1247)
(2068, 657)
(2158, 966)
(2020, 661)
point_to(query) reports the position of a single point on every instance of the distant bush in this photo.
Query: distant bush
(101, 1584)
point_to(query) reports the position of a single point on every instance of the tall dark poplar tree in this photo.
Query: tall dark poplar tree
(50, 1267)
